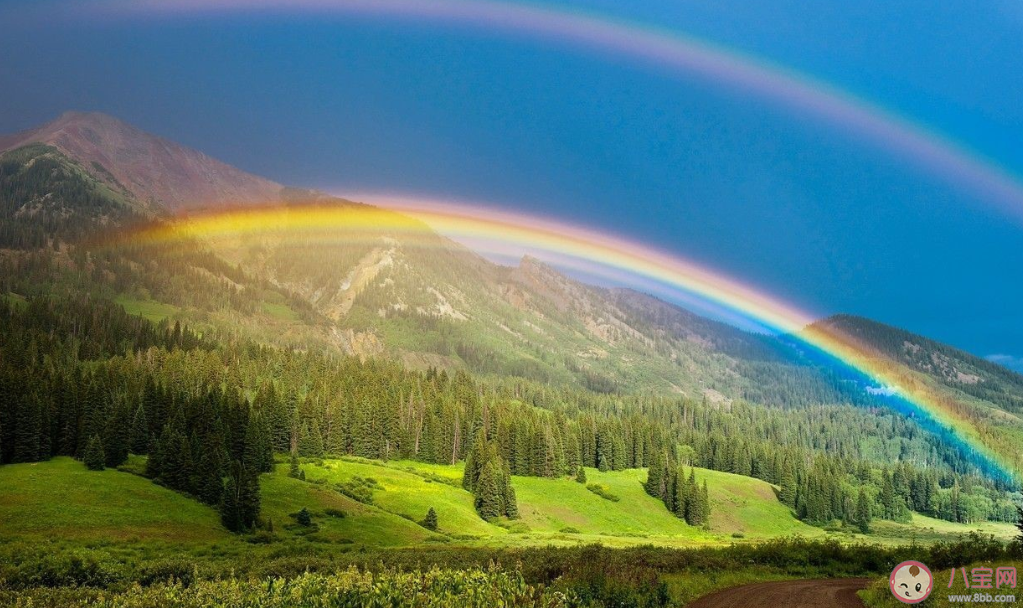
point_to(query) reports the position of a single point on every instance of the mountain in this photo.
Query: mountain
(149, 168)
(438, 305)
(956, 369)
(427, 302)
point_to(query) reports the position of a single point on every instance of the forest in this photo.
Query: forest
(81, 377)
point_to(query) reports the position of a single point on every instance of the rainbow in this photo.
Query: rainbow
(805, 96)
(416, 223)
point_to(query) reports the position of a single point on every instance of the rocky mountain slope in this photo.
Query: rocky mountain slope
(439, 305)
(153, 170)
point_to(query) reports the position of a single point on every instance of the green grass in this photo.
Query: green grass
(879, 595)
(410, 495)
(364, 525)
(149, 309)
(563, 511)
(926, 530)
(280, 311)
(61, 498)
(18, 301)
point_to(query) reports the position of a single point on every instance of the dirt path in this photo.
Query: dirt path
(837, 593)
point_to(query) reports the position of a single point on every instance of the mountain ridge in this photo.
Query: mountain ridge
(149, 167)
(444, 305)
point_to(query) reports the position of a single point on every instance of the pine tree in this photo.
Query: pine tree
(293, 469)
(488, 492)
(704, 504)
(692, 508)
(210, 482)
(1019, 527)
(94, 458)
(248, 497)
(430, 523)
(580, 474)
(957, 503)
(303, 518)
(139, 435)
(787, 495)
(229, 512)
(116, 438)
(310, 441)
(511, 503)
(863, 516)
(888, 496)
(655, 477)
(681, 496)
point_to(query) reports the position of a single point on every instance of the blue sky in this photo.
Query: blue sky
(794, 206)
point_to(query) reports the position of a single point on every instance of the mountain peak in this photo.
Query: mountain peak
(146, 166)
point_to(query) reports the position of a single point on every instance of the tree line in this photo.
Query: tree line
(205, 410)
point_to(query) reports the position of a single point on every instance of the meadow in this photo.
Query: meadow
(70, 536)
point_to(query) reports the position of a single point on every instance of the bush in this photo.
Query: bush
(359, 489)
(603, 492)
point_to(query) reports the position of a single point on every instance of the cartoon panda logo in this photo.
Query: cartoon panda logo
(911, 582)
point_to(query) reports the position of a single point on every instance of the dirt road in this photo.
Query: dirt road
(837, 593)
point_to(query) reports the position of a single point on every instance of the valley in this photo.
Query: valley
(183, 398)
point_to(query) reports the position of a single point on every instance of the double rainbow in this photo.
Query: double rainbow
(602, 256)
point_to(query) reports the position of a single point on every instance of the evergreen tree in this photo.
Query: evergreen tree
(94, 457)
(303, 518)
(956, 503)
(787, 495)
(580, 474)
(116, 438)
(210, 483)
(229, 510)
(888, 496)
(293, 468)
(310, 441)
(508, 498)
(681, 495)
(430, 523)
(655, 477)
(863, 516)
(248, 498)
(488, 491)
(139, 435)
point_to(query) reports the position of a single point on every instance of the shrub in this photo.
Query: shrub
(603, 492)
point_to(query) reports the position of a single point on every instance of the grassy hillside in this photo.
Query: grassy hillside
(63, 499)
(338, 519)
(561, 510)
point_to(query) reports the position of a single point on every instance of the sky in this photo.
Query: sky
(800, 208)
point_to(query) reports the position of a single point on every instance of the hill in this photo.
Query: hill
(63, 499)
(112, 505)
(153, 170)
(431, 304)
(72, 182)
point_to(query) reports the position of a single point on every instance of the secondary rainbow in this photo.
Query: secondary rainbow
(595, 253)
(806, 96)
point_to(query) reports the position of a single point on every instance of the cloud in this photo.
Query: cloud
(1010, 361)
(887, 391)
